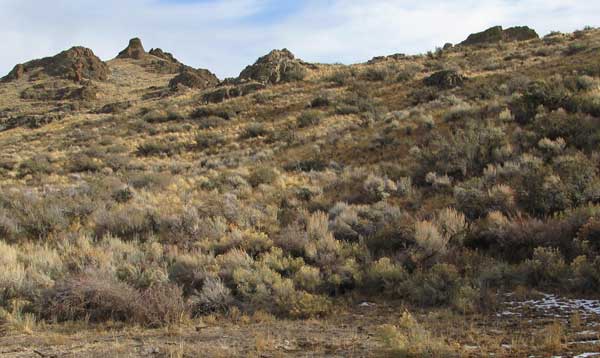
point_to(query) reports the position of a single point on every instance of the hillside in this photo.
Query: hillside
(444, 204)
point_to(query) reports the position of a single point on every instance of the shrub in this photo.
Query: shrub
(309, 118)
(384, 275)
(452, 225)
(552, 96)
(576, 48)
(254, 130)
(434, 287)
(589, 235)
(159, 305)
(37, 165)
(411, 340)
(96, 298)
(546, 268)
(429, 239)
(205, 140)
(213, 297)
(308, 278)
(461, 111)
(126, 222)
(263, 175)
(320, 101)
(377, 189)
(12, 273)
(159, 148)
(586, 272)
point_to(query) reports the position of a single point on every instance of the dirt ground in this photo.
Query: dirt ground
(545, 326)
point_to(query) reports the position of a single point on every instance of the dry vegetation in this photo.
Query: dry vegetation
(144, 217)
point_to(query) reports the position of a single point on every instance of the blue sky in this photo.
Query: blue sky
(226, 35)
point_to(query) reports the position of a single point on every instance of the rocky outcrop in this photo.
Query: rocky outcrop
(154, 61)
(278, 66)
(76, 64)
(60, 91)
(194, 78)
(167, 56)
(498, 34)
(134, 50)
(446, 79)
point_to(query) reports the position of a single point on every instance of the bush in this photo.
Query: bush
(309, 118)
(429, 239)
(160, 305)
(384, 275)
(547, 268)
(205, 140)
(434, 287)
(377, 189)
(214, 297)
(37, 165)
(254, 130)
(263, 175)
(93, 298)
(159, 148)
(411, 340)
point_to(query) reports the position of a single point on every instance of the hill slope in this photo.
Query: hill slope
(438, 183)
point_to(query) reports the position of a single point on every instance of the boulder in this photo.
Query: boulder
(278, 66)
(134, 50)
(446, 79)
(194, 78)
(498, 34)
(76, 64)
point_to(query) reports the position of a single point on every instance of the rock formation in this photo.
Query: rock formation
(445, 79)
(134, 50)
(76, 64)
(276, 67)
(497, 34)
(194, 78)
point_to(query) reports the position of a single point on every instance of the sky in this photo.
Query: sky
(224, 36)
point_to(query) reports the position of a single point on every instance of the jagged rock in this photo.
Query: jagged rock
(497, 34)
(194, 78)
(276, 67)
(76, 64)
(520, 33)
(164, 55)
(229, 92)
(134, 50)
(394, 57)
(445, 79)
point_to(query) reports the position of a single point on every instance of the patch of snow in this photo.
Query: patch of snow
(587, 355)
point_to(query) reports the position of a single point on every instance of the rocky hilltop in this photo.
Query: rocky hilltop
(278, 66)
(76, 64)
(498, 34)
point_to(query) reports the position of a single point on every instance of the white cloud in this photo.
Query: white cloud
(226, 35)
